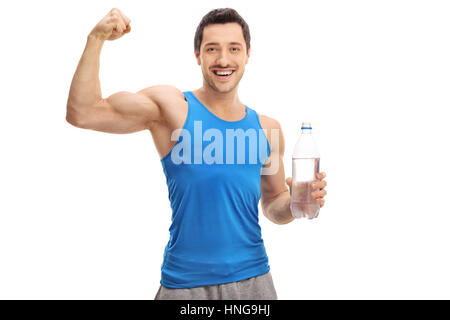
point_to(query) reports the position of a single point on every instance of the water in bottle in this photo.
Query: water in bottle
(305, 165)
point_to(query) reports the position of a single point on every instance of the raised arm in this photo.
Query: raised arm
(121, 112)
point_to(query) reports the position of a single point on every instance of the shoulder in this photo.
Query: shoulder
(170, 103)
(163, 94)
(273, 132)
(169, 100)
(268, 122)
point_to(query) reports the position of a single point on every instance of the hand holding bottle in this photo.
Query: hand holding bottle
(306, 200)
(318, 186)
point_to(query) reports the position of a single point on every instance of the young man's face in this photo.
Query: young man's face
(223, 50)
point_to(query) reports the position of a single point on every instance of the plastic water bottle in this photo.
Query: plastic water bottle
(305, 165)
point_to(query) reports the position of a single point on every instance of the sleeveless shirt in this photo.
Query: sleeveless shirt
(213, 175)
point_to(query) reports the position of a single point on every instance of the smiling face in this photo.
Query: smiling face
(223, 56)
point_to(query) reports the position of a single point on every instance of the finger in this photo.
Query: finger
(119, 27)
(125, 19)
(115, 15)
(122, 26)
(319, 184)
(121, 23)
(289, 181)
(319, 194)
(322, 202)
(119, 18)
(320, 175)
(116, 21)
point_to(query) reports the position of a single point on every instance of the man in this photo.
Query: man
(215, 250)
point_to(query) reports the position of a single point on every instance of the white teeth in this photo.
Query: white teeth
(224, 73)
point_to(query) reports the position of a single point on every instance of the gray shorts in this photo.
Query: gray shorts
(255, 288)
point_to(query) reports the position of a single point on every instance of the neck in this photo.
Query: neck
(223, 101)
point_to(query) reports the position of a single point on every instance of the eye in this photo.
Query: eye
(237, 49)
(209, 49)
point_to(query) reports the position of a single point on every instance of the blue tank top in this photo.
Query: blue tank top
(214, 191)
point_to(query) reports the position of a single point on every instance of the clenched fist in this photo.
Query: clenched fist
(114, 25)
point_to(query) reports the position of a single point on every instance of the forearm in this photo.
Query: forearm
(85, 89)
(278, 209)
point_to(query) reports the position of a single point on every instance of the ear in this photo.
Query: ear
(248, 55)
(197, 56)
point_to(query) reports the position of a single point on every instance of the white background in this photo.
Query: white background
(85, 214)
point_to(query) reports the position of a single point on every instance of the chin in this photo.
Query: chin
(225, 89)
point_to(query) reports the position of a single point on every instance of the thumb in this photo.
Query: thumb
(289, 181)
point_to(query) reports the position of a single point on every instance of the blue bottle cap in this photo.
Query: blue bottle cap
(306, 125)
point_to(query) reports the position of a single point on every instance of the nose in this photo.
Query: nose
(222, 59)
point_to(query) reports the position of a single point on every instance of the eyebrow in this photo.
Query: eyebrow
(216, 43)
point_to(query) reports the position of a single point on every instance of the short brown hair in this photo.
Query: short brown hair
(222, 15)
